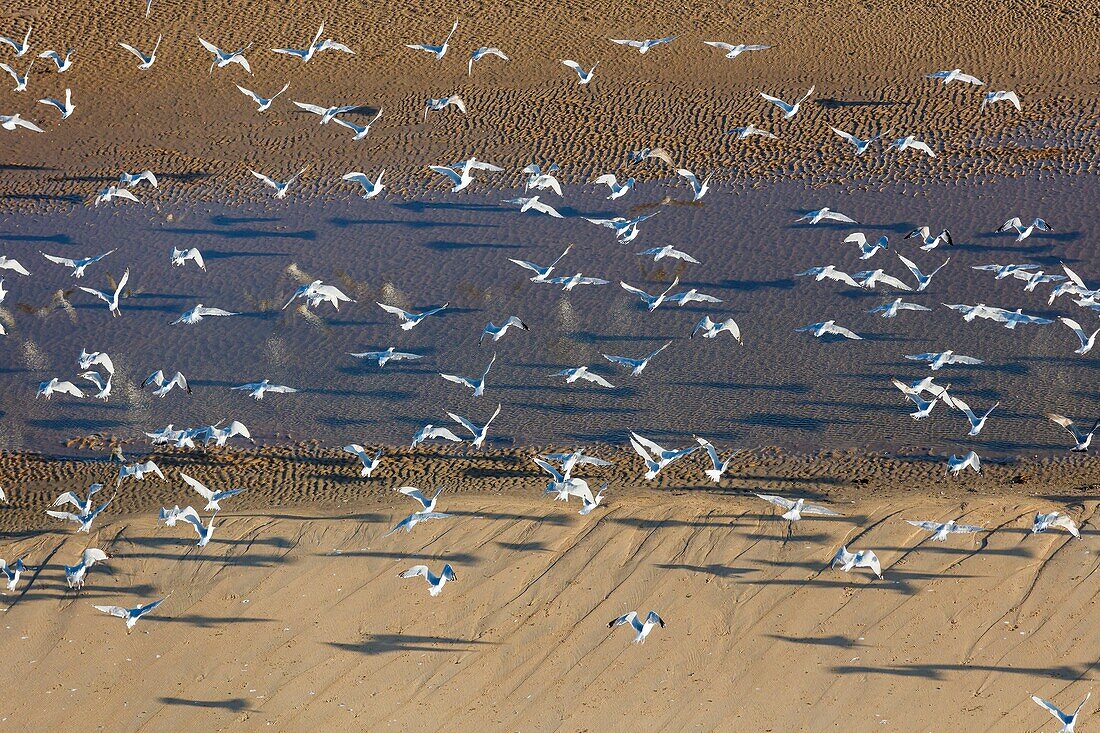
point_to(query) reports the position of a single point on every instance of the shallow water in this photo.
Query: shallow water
(780, 388)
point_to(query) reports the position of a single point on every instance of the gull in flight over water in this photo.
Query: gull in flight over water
(200, 312)
(698, 189)
(496, 333)
(914, 393)
(862, 559)
(617, 190)
(867, 250)
(112, 298)
(890, 309)
(479, 433)
(976, 423)
(435, 582)
(131, 615)
(281, 187)
(923, 280)
(643, 628)
(257, 390)
(583, 77)
(659, 253)
(542, 274)
(582, 373)
(147, 60)
(939, 359)
(387, 355)
(652, 301)
(829, 328)
(910, 142)
(96, 378)
(478, 384)
(656, 457)
(572, 281)
(825, 214)
(711, 328)
(65, 107)
(1069, 722)
(317, 292)
(431, 432)
(733, 51)
(369, 462)
(532, 203)
(224, 58)
(7, 263)
(955, 464)
(643, 46)
(1004, 96)
(212, 497)
(164, 385)
(409, 320)
(11, 122)
(870, 278)
(19, 48)
(793, 510)
(78, 265)
(1022, 232)
(370, 188)
(84, 519)
(636, 366)
(20, 80)
(1044, 522)
(181, 256)
(789, 110)
(718, 466)
(940, 530)
(438, 51)
(928, 242)
(1087, 342)
(75, 575)
(204, 531)
(482, 52)
(1082, 438)
(860, 145)
(951, 75)
(829, 272)
(263, 102)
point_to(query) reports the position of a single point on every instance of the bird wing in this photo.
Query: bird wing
(715, 461)
(689, 177)
(415, 493)
(554, 473)
(777, 500)
(414, 571)
(818, 509)
(118, 611)
(67, 516)
(777, 101)
(134, 51)
(197, 486)
(929, 526)
(444, 170)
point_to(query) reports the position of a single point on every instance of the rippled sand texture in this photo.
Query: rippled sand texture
(867, 60)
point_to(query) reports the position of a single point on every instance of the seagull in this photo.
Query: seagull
(12, 572)
(1011, 319)
(7, 263)
(78, 265)
(75, 574)
(867, 250)
(583, 76)
(951, 75)
(795, 509)
(327, 114)
(956, 464)
(890, 309)
(389, 354)
(860, 145)
(617, 190)
(281, 187)
(1076, 286)
(643, 46)
(862, 559)
(442, 103)
(95, 378)
(927, 384)
(625, 229)
(435, 582)
(431, 432)
(924, 407)
(427, 510)
(829, 272)
(437, 51)
(370, 188)
(710, 328)
(10, 122)
(330, 44)
(497, 332)
(263, 102)
(257, 390)
(1023, 232)
(212, 497)
(718, 466)
(940, 530)
(460, 177)
(1005, 96)
(692, 296)
(976, 423)
(659, 253)
(132, 179)
(922, 279)
(224, 58)
(482, 52)
(830, 328)
(733, 51)
(750, 129)
(573, 374)
(825, 214)
(138, 471)
(409, 320)
(1004, 271)
(130, 614)
(1068, 721)
(1044, 522)
(638, 156)
(789, 110)
(938, 360)
(1087, 342)
(84, 519)
(643, 629)
(47, 389)
(181, 256)
(542, 274)
(20, 81)
(146, 60)
(1082, 438)
(542, 182)
(479, 433)
(477, 385)
(588, 506)
(652, 301)
(361, 131)
(164, 385)
(205, 531)
(636, 366)
(699, 190)
(65, 107)
(568, 283)
(317, 292)
(532, 203)
(305, 54)
(19, 48)
(200, 312)
(870, 278)
(369, 462)
(1035, 279)
(84, 506)
(110, 193)
(928, 241)
(911, 142)
(656, 457)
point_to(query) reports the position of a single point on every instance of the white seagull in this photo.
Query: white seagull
(139, 471)
(104, 386)
(643, 46)
(617, 190)
(659, 253)
(482, 52)
(327, 114)
(181, 256)
(939, 359)
(955, 464)
(1023, 232)
(532, 203)
(583, 76)
(200, 312)
(711, 328)
(860, 145)
(131, 615)
(890, 309)
(862, 559)
(789, 110)
(387, 355)
(48, 388)
(928, 242)
(951, 75)
(910, 142)
(12, 572)
(1082, 438)
(132, 179)
(828, 272)
(542, 274)
(867, 250)
(280, 187)
(110, 193)
(19, 48)
(438, 51)
(643, 629)
(636, 366)
(263, 102)
(147, 60)
(735, 50)
(435, 582)
(361, 131)
(163, 385)
(656, 457)
(1068, 722)
(224, 58)
(940, 530)
(749, 130)
(11, 122)
(718, 466)
(573, 374)
(369, 462)
(212, 497)
(78, 265)
(698, 189)
(257, 390)
(829, 328)
(976, 423)
(305, 54)
(479, 433)
(84, 519)
(795, 509)
(496, 333)
(409, 320)
(65, 107)
(476, 384)
(923, 280)
(825, 214)
(572, 281)
(1003, 96)
(652, 301)
(76, 574)
(317, 292)
(84, 506)
(1044, 522)
(439, 104)
(20, 80)
(370, 188)
(431, 432)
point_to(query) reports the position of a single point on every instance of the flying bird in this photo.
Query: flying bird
(862, 559)
(1044, 522)
(955, 464)
(910, 142)
(718, 466)
(618, 190)
(200, 312)
(928, 242)
(11, 122)
(317, 292)
(479, 433)
(257, 390)
(1082, 438)
(532, 203)
(923, 280)
(163, 385)
(750, 130)
(793, 510)
(131, 615)
(147, 60)
(1087, 342)
(643, 46)
(224, 58)
(496, 333)
(582, 373)
(733, 51)
(84, 519)
(656, 458)
(951, 75)
(542, 274)
(280, 187)
(825, 214)
(636, 366)
(867, 250)
(12, 572)
(409, 320)
(370, 188)
(75, 575)
(369, 462)
(431, 432)
(583, 77)
(476, 384)
(20, 79)
(861, 146)
(660, 253)
(789, 110)
(139, 471)
(212, 497)
(435, 582)
(264, 103)
(829, 328)
(698, 189)
(438, 51)
(65, 107)
(55, 385)
(1068, 722)
(482, 52)
(940, 530)
(386, 356)
(1023, 232)
(643, 628)
(711, 328)
(938, 360)
(1003, 96)
(20, 48)
(890, 309)
(78, 265)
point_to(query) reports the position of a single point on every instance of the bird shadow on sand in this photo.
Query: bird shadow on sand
(343, 223)
(460, 558)
(307, 235)
(385, 643)
(715, 569)
(233, 705)
(834, 103)
(837, 640)
(208, 622)
(942, 671)
(40, 238)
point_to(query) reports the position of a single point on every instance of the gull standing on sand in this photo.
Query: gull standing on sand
(387, 355)
(12, 572)
(829, 328)
(482, 52)
(478, 384)
(200, 312)
(643, 46)
(938, 360)
(910, 142)
(263, 102)
(656, 457)
(860, 145)
(257, 390)
(862, 559)
(65, 107)
(922, 280)
(749, 130)
(1004, 96)
(867, 250)
(280, 187)
(825, 214)
(643, 628)
(438, 51)
(164, 385)
(370, 188)
(951, 75)
(789, 110)
(698, 189)
(212, 497)
(84, 519)
(940, 530)
(711, 328)
(718, 466)
(659, 253)
(409, 320)
(181, 256)
(75, 575)
(131, 615)
(496, 333)
(1043, 522)
(1023, 232)
(1082, 438)
(542, 274)
(636, 366)
(583, 77)
(431, 432)
(795, 509)
(955, 464)
(573, 374)
(479, 433)
(1069, 722)
(369, 462)
(435, 582)
(733, 51)
(48, 388)
(78, 265)
(10, 122)
(19, 48)
(317, 292)
(147, 60)
(224, 58)
(617, 190)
